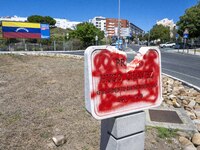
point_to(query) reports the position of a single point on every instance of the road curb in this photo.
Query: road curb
(184, 82)
(49, 54)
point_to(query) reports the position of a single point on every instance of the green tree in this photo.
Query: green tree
(86, 32)
(35, 19)
(160, 32)
(191, 21)
(41, 19)
(49, 20)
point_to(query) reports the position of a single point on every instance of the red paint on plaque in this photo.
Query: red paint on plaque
(118, 84)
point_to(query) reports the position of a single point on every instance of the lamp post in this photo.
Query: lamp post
(106, 35)
(118, 22)
(149, 37)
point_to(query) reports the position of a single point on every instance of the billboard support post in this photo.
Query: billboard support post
(25, 46)
(41, 47)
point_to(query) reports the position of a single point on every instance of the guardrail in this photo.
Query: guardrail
(189, 51)
(51, 46)
(195, 51)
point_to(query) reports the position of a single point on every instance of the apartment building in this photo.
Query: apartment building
(135, 30)
(99, 22)
(112, 26)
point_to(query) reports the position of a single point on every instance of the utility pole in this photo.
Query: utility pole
(149, 37)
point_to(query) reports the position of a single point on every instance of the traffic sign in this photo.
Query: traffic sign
(185, 35)
(114, 87)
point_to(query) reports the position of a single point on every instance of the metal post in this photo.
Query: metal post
(54, 45)
(64, 45)
(184, 45)
(149, 37)
(25, 46)
(41, 47)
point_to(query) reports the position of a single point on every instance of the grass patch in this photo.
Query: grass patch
(60, 110)
(45, 135)
(14, 118)
(148, 128)
(85, 148)
(166, 133)
(18, 57)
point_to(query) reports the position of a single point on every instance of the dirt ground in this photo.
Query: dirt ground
(41, 97)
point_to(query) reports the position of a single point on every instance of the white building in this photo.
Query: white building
(167, 23)
(14, 18)
(64, 23)
(99, 22)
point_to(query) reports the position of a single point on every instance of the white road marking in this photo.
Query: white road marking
(181, 74)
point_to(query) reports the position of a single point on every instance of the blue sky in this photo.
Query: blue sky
(143, 13)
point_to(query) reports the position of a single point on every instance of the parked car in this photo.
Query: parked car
(168, 44)
(113, 44)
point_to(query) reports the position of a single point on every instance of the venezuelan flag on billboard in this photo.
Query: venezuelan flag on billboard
(25, 30)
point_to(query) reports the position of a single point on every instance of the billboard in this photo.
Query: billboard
(25, 30)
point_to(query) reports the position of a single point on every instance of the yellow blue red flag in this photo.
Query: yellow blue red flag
(25, 30)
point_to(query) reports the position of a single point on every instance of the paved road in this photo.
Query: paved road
(183, 66)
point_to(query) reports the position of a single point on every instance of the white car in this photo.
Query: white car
(168, 44)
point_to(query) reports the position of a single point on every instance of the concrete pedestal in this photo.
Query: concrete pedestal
(123, 132)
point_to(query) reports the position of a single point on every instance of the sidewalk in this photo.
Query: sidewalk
(189, 51)
(183, 51)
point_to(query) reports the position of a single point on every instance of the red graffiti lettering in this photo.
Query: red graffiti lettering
(118, 84)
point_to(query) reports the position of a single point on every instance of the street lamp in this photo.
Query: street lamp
(106, 35)
(118, 22)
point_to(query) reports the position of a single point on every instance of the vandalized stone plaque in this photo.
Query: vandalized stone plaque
(114, 87)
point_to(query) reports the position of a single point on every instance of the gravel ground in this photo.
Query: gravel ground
(41, 97)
